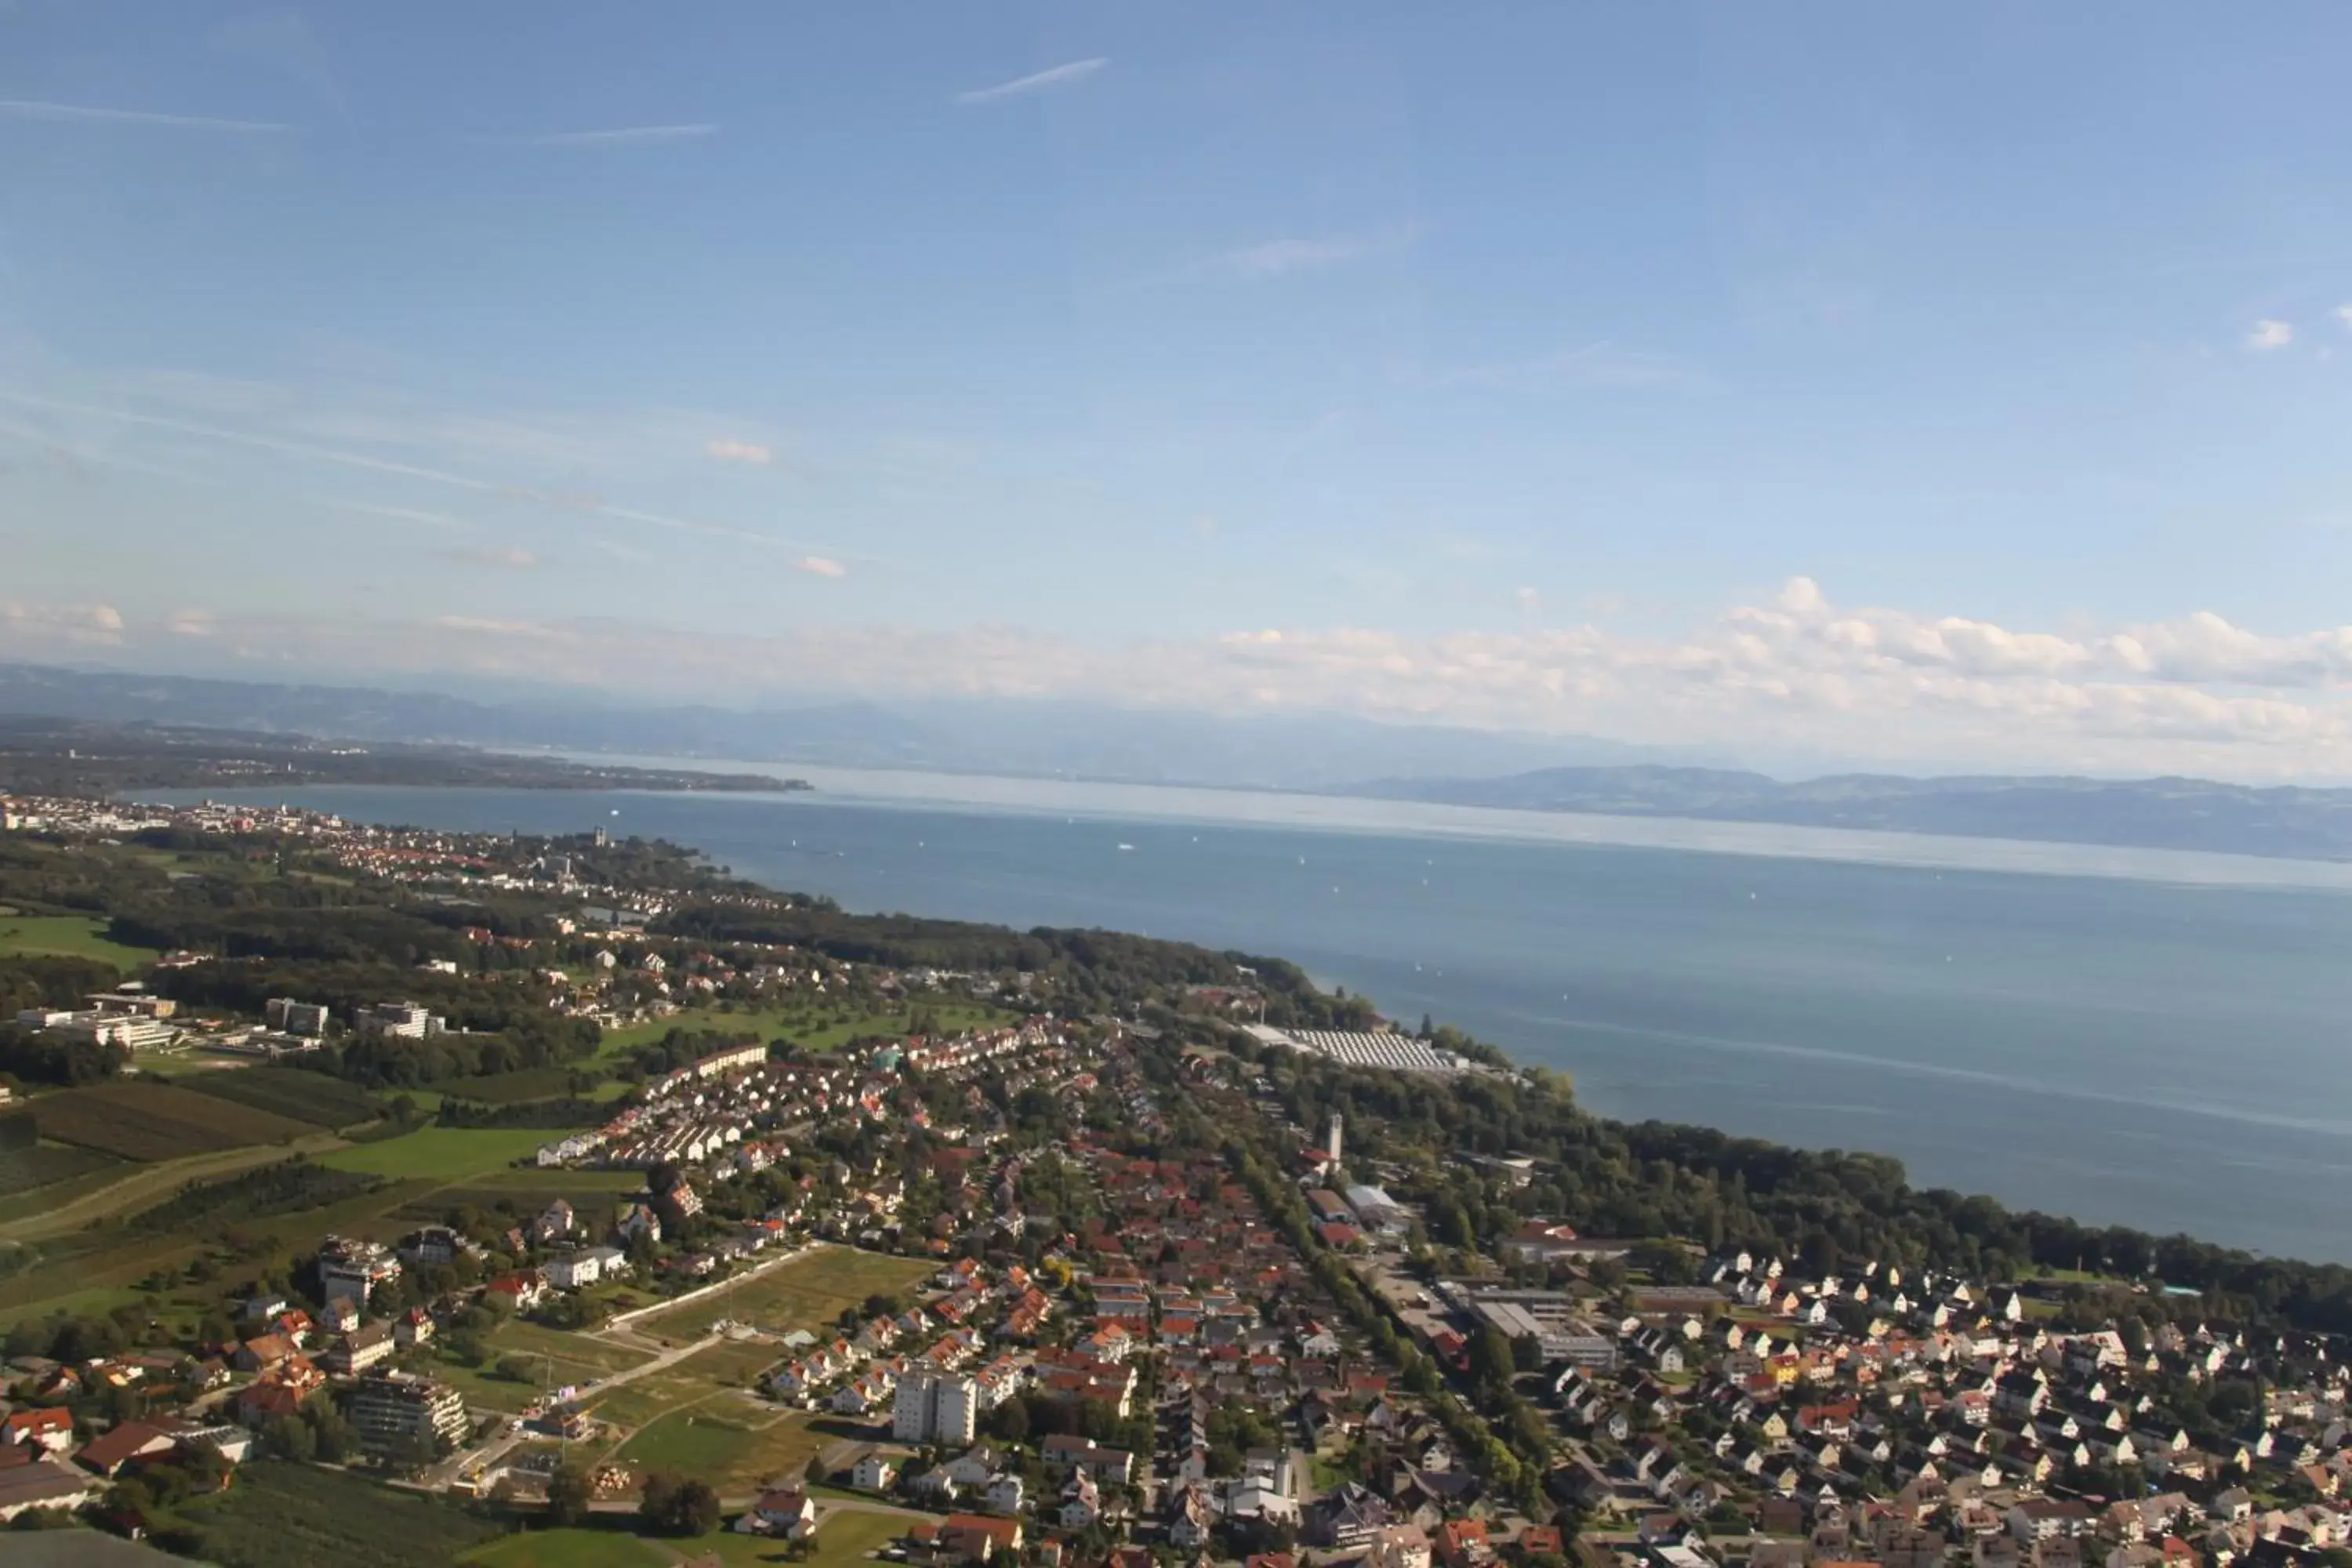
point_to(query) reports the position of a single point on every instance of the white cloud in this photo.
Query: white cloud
(738, 451)
(43, 624)
(503, 557)
(2192, 695)
(2270, 334)
(190, 623)
(84, 114)
(2343, 313)
(397, 513)
(618, 136)
(1283, 257)
(821, 566)
(1035, 81)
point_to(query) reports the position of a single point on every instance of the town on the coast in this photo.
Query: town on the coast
(379, 1194)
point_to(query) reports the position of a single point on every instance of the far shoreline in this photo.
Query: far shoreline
(915, 788)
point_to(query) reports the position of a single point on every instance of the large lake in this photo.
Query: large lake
(2143, 1037)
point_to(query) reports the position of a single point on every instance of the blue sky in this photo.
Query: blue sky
(1964, 385)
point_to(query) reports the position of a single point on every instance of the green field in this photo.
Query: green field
(569, 1549)
(68, 936)
(718, 1372)
(523, 1191)
(739, 1448)
(443, 1154)
(45, 1164)
(510, 1088)
(805, 1293)
(152, 1122)
(292, 1516)
(101, 1193)
(843, 1539)
(556, 1358)
(311, 1097)
(32, 1205)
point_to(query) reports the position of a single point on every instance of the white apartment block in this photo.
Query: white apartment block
(929, 1407)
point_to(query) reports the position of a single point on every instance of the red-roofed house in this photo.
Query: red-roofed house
(108, 1454)
(48, 1429)
(1463, 1543)
(978, 1538)
(515, 1292)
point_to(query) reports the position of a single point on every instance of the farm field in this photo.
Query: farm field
(569, 1549)
(510, 1088)
(45, 1164)
(156, 1122)
(447, 1154)
(122, 1187)
(29, 1206)
(81, 1265)
(68, 936)
(293, 1516)
(737, 1446)
(524, 1193)
(310, 1097)
(806, 1293)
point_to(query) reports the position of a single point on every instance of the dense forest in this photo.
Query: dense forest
(1106, 968)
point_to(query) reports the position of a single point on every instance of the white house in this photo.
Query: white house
(785, 1512)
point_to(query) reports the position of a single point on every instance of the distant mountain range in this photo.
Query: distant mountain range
(1321, 754)
(2158, 814)
(1018, 739)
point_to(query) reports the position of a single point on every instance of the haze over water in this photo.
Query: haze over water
(2139, 1037)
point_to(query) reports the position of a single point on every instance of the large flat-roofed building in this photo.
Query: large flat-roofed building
(1361, 1048)
(931, 1407)
(288, 1017)
(392, 1410)
(128, 1030)
(399, 1021)
(132, 1000)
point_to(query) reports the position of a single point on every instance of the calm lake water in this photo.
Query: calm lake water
(2149, 1038)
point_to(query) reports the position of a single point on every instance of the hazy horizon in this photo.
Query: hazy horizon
(1890, 386)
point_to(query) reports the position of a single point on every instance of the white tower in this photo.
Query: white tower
(1331, 1140)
